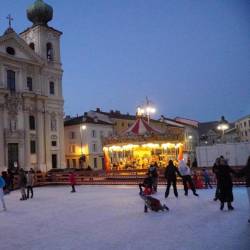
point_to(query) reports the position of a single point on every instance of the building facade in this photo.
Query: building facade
(243, 128)
(83, 141)
(31, 101)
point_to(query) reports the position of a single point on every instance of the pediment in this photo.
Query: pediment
(22, 51)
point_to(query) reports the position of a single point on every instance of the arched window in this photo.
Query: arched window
(32, 46)
(11, 80)
(49, 52)
(32, 123)
(29, 83)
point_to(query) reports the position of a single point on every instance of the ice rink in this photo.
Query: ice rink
(112, 217)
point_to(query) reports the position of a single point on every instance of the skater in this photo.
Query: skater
(5, 176)
(22, 184)
(215, 171)
(30, 183)
(153, 204)
(147, 184)
(11, 179)
(206, 179)
(170, 176)
(225, 184)
(72, 180)
(246, 172)
(186, 178)
(2, 185)
(154, 174)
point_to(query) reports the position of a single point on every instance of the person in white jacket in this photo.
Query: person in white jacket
(2, 184)
(186, 178)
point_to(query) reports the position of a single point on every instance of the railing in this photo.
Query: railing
(115, 177)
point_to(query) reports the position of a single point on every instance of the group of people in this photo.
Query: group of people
(221, 169)
(26, 183)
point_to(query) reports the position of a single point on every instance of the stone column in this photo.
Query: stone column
(47, 142)
(2, 151)
(40, 136)
(61, 141)
(26, 137)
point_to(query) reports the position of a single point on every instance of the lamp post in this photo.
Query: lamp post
(223, 125)
(146, 110)
(82, 128)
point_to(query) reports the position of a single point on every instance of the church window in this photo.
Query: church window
(32, 46)
(29, 83)
(10, 51)
(52, 88)
(53, 143)
(32, 147)
(11, 80)
(93, 133)
(32, 122)
(49, 52)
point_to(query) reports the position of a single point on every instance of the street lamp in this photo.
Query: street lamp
(223, 125)
(146, 110)
(82, 128)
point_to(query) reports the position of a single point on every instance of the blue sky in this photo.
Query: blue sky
(190, 57)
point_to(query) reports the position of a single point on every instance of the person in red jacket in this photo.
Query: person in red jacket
(72, 180)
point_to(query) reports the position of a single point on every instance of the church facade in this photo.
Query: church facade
(31, 100)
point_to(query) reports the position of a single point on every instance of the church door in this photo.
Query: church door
(54, 161)
(12, 154)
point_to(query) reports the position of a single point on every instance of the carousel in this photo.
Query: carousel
(142, 144)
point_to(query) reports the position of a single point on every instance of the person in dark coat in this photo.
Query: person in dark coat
(215, 171)
(152, 171)
(225, 184)
(246, 172)
(22, 184)
(170, 176)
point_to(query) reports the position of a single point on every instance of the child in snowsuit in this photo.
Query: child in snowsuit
(72, 180)
(2, 185)
(153, 204)
(206, 179)
(147, 184)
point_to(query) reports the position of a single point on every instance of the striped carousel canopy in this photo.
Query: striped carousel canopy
(141, 127)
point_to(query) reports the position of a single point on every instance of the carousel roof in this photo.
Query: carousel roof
(141, 127)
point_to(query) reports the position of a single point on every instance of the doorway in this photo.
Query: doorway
(54, 161)
(12, 154)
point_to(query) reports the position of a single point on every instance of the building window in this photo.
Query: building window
(95, 162)
(32, 147)
(53, 143)
(49, 52)
(245, 133)
(53, 125)
(32, 46)
(10, 51)
(122, 124)
(94, 147)
(249, 123)
(68, 163)
(93, 133)
(52, 88)
(74, 163)
(11, 80)
(72, 148)
(29, 83)
(245, 124)
(72, 135)
(32, 122)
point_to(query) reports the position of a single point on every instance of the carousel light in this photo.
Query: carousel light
(150, 145)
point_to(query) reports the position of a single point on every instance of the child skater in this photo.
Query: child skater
(2, 185)
(72, 180)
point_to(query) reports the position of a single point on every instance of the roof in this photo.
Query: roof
(141, 127)
(84, 119)
(205, 127)
(48, 27)
(243, 118)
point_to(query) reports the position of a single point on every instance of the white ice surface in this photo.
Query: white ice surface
(112, 217)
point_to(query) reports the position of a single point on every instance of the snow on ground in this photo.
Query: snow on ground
(112, 217)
